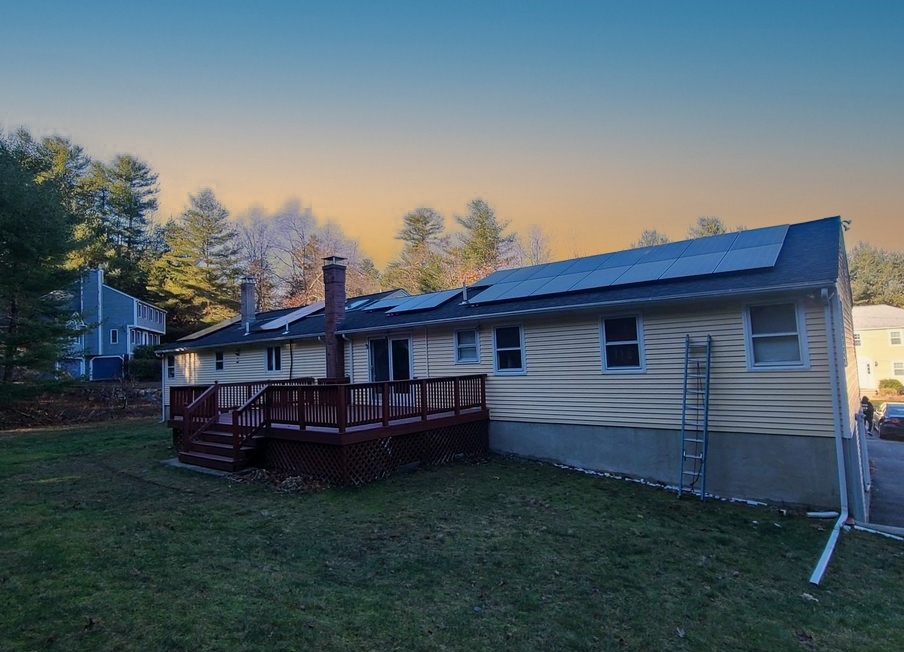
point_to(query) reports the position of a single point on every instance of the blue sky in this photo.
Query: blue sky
(593, 120)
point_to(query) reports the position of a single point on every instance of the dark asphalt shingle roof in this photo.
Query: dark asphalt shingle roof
(809, 258)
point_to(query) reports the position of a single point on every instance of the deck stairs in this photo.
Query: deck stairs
(211, 448)
(695, 416)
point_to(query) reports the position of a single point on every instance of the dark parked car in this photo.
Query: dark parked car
(891, 421)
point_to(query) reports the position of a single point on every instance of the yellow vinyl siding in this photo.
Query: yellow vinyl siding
(564, 382)
(199, 368)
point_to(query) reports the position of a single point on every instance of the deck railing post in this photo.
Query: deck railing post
(236, 433)
(302, 408)
(483, 392)
(385, 402)
(423, 384)
(456, 392)
(341, 407)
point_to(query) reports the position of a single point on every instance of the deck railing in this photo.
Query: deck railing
(357, 404)
(229, 396)
(199, 413)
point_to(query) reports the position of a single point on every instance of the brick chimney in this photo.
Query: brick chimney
(248, 301)
(334, 312)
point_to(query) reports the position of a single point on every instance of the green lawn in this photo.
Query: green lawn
(103, 548)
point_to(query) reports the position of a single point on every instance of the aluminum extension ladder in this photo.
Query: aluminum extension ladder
(695, 417)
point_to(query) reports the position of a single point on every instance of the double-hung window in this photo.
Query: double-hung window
(274, 358)
(897, 369)
(509, 350)
(114, 336)
(775, 336)
(218, 360)
(170, 366)
(894, 338)
(467, 346)
(622, 339)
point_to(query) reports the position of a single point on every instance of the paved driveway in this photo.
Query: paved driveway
(887, 495)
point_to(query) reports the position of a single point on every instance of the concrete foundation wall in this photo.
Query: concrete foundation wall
(773, 468)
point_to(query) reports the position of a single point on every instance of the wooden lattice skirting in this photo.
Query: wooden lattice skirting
(365, 461)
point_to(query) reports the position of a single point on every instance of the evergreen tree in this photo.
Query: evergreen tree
(126, 195)
(485, 247)
(421, 266)
(196, 278)
(35, 237)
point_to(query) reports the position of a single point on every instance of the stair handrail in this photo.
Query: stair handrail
(199, 414)
(247, 420)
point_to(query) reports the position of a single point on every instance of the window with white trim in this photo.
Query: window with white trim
(897, 369)
(467, 346)
(170, 366)
(509, 349)
(114, 336)
(622, 344)
(857, 339)
(274, 358)
(218, 360)
(894, 338)
(774, 336)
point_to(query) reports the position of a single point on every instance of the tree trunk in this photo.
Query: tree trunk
(11, 331)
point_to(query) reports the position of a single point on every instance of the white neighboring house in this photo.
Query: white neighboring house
(879, 341)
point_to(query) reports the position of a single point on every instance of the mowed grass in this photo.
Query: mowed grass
(104, 548)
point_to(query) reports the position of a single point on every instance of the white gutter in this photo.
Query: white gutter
(832, 344)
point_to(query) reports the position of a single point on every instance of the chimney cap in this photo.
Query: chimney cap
(334, 260)
(247, 278)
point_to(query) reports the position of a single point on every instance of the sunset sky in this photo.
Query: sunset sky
(593, 120)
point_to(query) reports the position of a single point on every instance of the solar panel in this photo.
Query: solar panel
(295, 315)
(622, 258)
(761, 237)
(423, 301)
(524, 288)
(600, 278)
(694, 265)
(710, 245)
(551, 270)
(561, 283)
(495, 277)
(388, 302)
(749, 258)
(587, 264)
(644, 271)
(492, 293)
(727, 252)
(669, 251)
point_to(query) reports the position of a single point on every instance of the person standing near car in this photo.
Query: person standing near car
(868, 413)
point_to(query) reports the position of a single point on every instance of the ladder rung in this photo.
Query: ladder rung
(698, 441)
(694, 473)
(693, 456)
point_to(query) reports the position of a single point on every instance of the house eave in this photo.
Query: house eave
(793, 287)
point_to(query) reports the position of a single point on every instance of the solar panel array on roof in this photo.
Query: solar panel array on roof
(295, 315)
(423, 301)
(389, 302)
(728, 252)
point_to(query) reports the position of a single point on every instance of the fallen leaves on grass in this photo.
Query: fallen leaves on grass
(282, 482)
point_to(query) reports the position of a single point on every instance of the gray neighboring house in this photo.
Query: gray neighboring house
(117, 323)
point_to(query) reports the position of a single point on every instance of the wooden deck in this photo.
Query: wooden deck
(300, 425)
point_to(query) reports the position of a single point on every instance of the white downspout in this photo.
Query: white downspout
(832, 344)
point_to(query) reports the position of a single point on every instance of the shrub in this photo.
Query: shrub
(891, 386)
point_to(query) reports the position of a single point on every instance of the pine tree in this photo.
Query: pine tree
(196, 278)
(126, 196)
(485, 247)
(35, 237)
(421, 265)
